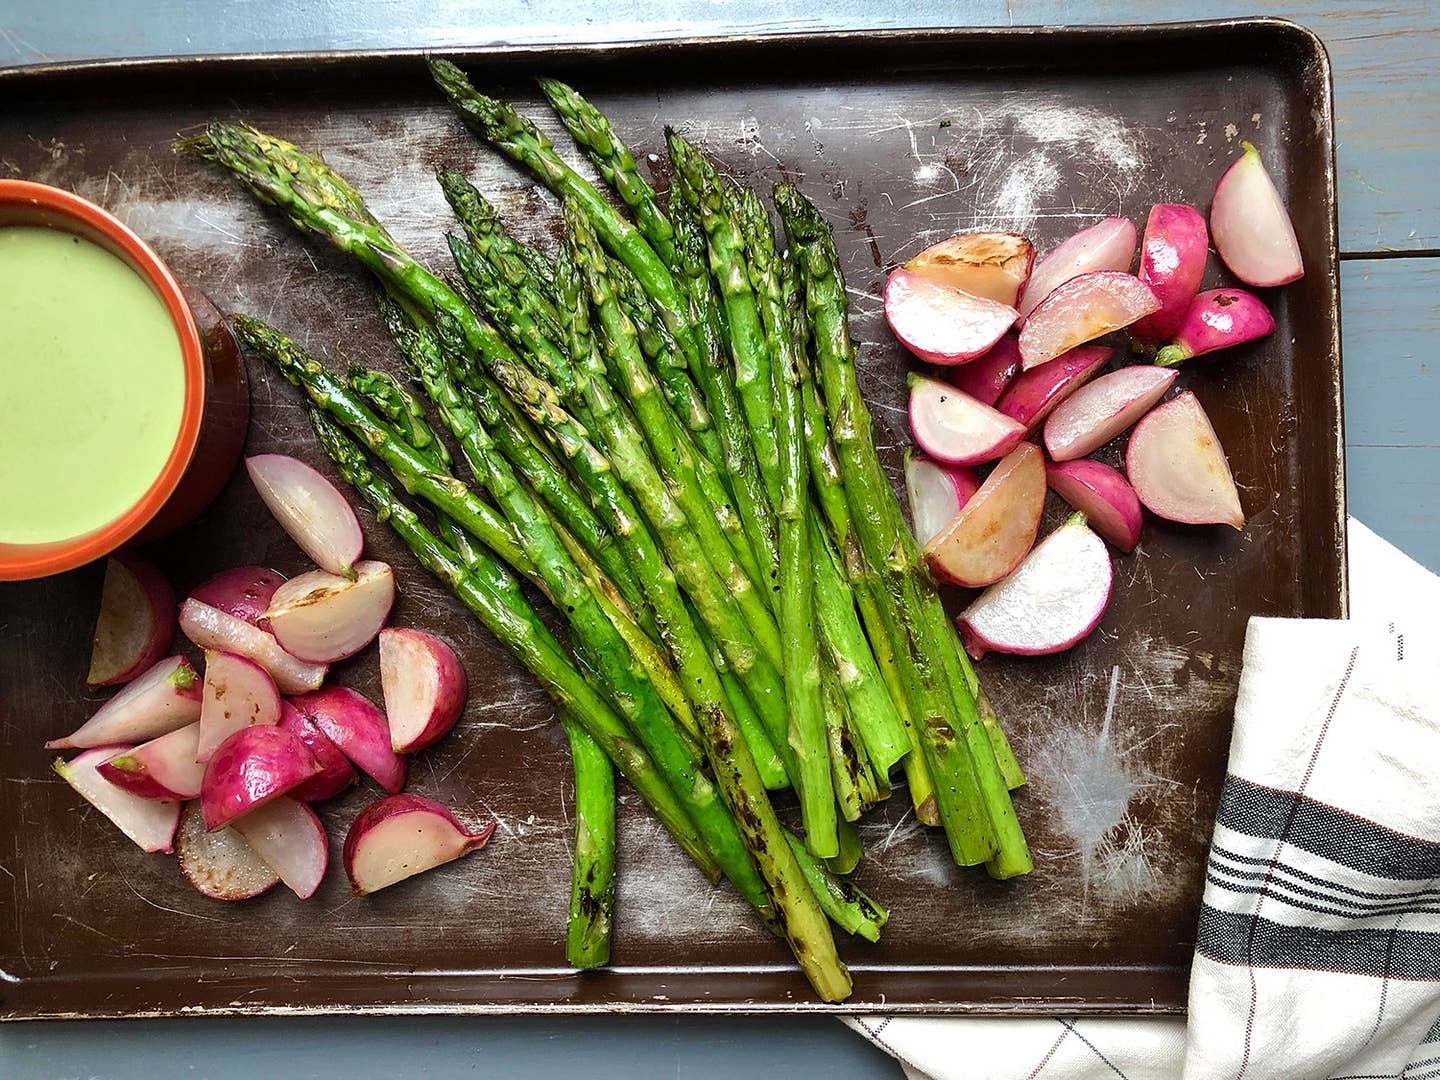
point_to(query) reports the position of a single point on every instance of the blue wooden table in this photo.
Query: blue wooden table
(1388, 114)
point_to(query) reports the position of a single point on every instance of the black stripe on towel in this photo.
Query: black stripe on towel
(1232, 938)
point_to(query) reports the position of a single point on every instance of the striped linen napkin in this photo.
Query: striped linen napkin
(1318, 950)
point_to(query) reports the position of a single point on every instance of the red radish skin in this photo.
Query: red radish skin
(148, 822)
(1102, 409)
(355, 725)
(136, 626)
(1107, 245)
(991, 265)
(336, 775)
(238, 694)
(319, 616)
(401, 836)
(163, 768)
(941, 324)
(1103, 495)
(242, 591)
(1217, 319)
(424, 687)
(937, 492)
(1035, 393)
(221, 864)
(213, 629)
(250, 768)
(1179, 469)
(994, 530)
(986, 377)
(1050, 603)
(1172, 262)
(310, 509)
(953, 427)
(1081, 310)
(1251, 227)
(289, 837)
(163, 699)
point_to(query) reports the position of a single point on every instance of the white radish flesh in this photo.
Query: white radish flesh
(1107, 245)
(213, 629)
(1081, 310)
(1251, 228)
(238, 694)
(1101, 410)
(310, 509)
(401, 836)
(221, 864)
(992, 265)
(941, 324)
(148, 822)
(320, 616)
(997, 526)
(1103, 495)
(163, 768)
(937, 492)
(289, 837)
(953, 427)
(165, 698)
(424, 688)
(136, 626)
(1179, 469)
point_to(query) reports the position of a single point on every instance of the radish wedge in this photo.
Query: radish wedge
(991, 265)
(136, 626)
(238, 694)
(1100, 410)
(1107, 245)
(353, 723)
(310, 509)
(952, 426)
(163, 699)
(148, 822)
(1172, 262)
(1103, 495)
(320, 616)
(242, 591)
(336, 772)
(1179, 469)
(1051, 602)
(220, 864)
(986, 377)
(401, 836)
(211, 628)
(1035, 393)
(995, 529)
(424, 687)
(937, 492)
(1252, 230)
(289, 837)
(1214, 320)
(163, 768)
(1081, 310)
(252, 767)
(941, 324)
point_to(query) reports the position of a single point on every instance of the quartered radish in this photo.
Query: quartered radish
(289, 837)
(1179, 469)
(937, 492)
(242, 591)
(1034, 393)
(211, 628)
(148, 822)
(1081, 310)
(320, 616)
(354, 724)
(1103, 495)
(1252, 230)
(1100, 410)
(221, 864)
(1172, 262)
(424, 688)
(992, 265)
(238, 694)
(1050, 603)
(163, 768)
(953, 427)
(166, 697)
(310, 509)
(1107, 245)
(986, 377)
(336, 772)
(137, 621)
(997, 526)
(1214, 320)
(941, 324)
(252, 767)
(404, 835)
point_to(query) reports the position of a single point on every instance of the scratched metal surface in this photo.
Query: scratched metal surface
(1044, 134)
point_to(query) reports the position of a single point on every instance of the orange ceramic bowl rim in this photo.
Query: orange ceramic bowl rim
(20, 561)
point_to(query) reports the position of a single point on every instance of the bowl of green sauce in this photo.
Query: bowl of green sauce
(122, 397)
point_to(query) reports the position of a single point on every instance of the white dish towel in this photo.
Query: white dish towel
(1318, 951)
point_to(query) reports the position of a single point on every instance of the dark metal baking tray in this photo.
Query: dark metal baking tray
(902, 137)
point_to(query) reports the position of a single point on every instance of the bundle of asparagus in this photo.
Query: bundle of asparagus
(648, 444)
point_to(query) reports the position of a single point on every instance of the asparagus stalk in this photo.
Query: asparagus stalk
(592, 884)
(844, 902)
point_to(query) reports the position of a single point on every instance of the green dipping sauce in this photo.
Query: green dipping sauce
(92, 386)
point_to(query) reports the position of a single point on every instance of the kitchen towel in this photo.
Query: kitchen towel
(1318, 949)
